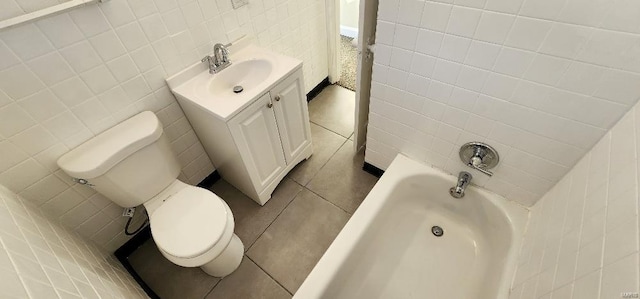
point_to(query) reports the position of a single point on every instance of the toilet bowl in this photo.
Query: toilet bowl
(133, 164)
(193, 227)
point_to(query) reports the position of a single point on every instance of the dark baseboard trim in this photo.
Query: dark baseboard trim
(372, 169)
(210, 180)
(316, 90)
(123, 253)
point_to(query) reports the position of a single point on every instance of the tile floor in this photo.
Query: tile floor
(286, 237)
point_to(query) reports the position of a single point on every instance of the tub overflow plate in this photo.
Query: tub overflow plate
(437, 231)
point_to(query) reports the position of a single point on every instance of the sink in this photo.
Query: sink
(253, 68)
(248, 74)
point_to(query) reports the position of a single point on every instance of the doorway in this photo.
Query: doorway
(349, 16)
(363, 37)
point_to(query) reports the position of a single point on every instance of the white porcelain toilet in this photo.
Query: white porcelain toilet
(132, 164)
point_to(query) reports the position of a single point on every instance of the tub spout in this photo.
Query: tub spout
(464, 178)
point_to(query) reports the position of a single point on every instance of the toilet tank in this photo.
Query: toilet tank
(129, 163)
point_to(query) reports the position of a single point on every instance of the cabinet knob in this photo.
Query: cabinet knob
(269, 105)
(277, 98)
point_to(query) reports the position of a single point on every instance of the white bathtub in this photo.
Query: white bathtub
(387, 250)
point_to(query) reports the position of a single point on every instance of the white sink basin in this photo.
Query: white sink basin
(253, 68)
(247, 74)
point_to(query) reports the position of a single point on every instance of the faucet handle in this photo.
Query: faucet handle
(480, 168)
(225, 55)
(479, 156)
(206, 59)
(223, 46)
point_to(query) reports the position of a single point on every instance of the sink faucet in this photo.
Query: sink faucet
(464, 178)
(220, 59)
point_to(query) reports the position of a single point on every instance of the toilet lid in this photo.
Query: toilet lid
(189, 222)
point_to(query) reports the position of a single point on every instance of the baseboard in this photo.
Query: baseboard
(123, 253)
(349, 31)
(316, 90)
(372, 169)
(210, 180)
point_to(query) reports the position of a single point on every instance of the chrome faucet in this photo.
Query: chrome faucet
(464, 178)
(479, 156)
(220, 59)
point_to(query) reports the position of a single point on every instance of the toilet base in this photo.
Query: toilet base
(228, 261)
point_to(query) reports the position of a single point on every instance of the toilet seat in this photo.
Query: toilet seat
(190, 223)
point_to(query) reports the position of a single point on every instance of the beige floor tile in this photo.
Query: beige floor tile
(166, 279)
(334, 109)
(342, 180)
(250, 218)
(289, 249)
(325, 144)
(248, 282)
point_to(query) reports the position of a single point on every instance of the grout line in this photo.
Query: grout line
(316, 174)
(213, 287)
(278, 216)
(268, 274)
(323, 165)
(332, 131)
(275, 218)
(333, 204)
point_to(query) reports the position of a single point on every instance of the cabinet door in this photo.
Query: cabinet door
(292, 115)
(256, 135)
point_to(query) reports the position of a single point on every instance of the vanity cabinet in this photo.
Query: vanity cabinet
(292, 117)
(260, 144)
(256, 134)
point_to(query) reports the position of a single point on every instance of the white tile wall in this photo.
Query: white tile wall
(541, 81)
(39, 258)
(65, 78)
(582, 237)
(14, 8)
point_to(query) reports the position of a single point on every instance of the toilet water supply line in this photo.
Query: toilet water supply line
(144, 224)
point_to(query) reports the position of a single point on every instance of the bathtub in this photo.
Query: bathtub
(388, 250)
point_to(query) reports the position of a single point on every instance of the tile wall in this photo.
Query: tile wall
(540, 80)
(14, 8)
(582, 238)
(39, 258)
(66, 78)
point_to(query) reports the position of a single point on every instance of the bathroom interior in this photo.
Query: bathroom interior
(487, 149)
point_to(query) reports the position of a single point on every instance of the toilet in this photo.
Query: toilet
(133, 164)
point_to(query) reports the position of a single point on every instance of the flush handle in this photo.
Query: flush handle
(83, 182)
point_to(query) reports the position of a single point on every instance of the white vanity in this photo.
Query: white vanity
(256, 136)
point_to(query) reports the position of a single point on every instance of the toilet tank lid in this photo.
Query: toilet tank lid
(100, 153)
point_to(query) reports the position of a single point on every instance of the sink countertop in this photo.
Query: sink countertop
(193, 82)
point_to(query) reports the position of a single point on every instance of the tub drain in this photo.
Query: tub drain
(238, 89)
(437, 231)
